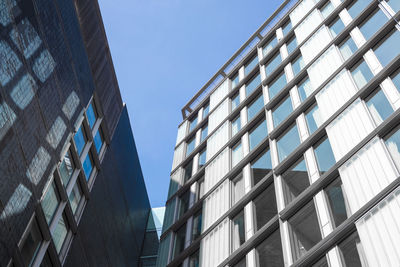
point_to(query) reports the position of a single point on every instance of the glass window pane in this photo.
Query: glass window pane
(258, 134)
(193, 123)
(237, 154)
(324, 155)
(59, 233)
(202, 158)
(98, 141)
(253, 84)
(336, 27)
(265, 207)
(80, 140)
(75, 197)
(46, 261)
(272, 64)
(31, 244)
(183, 203)
(238, 189)
(235, 101)
(206, 109)
(196, 231)
(260, 167)
(188, 171)
(337, 205)
(277, 85)
(270, 45)
(50, 202)
(288, 142)
(287, 27)
(91, 115)
(88, 166)
(357, 6)
(190, 145)
(373, 23)
(235, 80)
(291, 45)
(304, 230)
(396, 80)
(282, 111)
(255, 107)
(295, 180)
(179, 242)
(394, 4)
(250, 65)
(269, 252)
(351, 251)
(298, 65)
(387, 50)
(361, 74)
(313, 118)
(236, 126)
(194, 259)
(241, 263)
(204, 133)
(327, 9)
(305, 89)
(393, 145)
(347, 48)
(238, 231)
(66, 168)
(379, 107)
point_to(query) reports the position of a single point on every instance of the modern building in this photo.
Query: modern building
(290, 154)
(71, 188)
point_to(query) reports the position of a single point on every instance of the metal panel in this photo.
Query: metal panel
(315, 44)
(218, 115)
(308, 25)
(178, 155)
(216, 170)
(214, 247)
(219, 94)
(181, 132)
(298, 13)
(216, 141)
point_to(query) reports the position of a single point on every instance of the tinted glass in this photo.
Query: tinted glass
(282, 111)
(287, 143)
(193, 123)
(179, 243)
(324, 155)
(91, 115)
(361, 74)
(190, 145)
(235, 80)
(237, 154)
(253, 84)
(193, 260)
(80, 140)
(188, 171)
(357, 6)
(265, 207)
(66, 168)
(347, 48)
(373, 23)
(327, 9)
(183, 203)
(258, 134)
(272, 64)
(250, 65)
(387, 50)
(260, 167)
(50, 202)
(238, 231)
(241, 263)
(202, 158)
(295, 180)
(287, 27)
(338, 208)
(31, 243)
(379, 107)
(98, 141)
(336, 27)
(277, 85)
(196, 231)
(291, 45)
(396, 80)
(236, 126)
(394, 4)
(238, 189)
(270, 45)
(298, 65)
(313, 119)
(350, 250)
(393, 145)
(206, 110)
(60, 233)
(305, 89)
(75, 197)
(235, 101)
(269, 252)
(87, 166)
(255, 107)
(204, 133)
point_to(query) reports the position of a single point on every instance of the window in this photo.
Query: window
(202, 158)
(297, 65)
(196, 230)
(373, 23)
(273, 63)
(277, 85)
(336, 27)
(286, 27)
(291, 45)
(250, 65)
(313, 118)
(265, 207)
(204, 133)
(379, 106)
(91, 115)
(338, 207)
(322, 262)
(305, 89)
(235, 80)
(356, 7)
(46, 261)
(253, 84)
(98, 141)
(295, 180)
(237, 154)
(269, 252)
(393, 145)
(238, 188)
(282, 111)
(190, 145)
(88, 166)
(394, 4)
(241, 263)
(31, 243)
(183, 203)
(235, 101)
(324, 155)
(200, 191)
(179, 242)
(387, 49)
(236, 125)
(188, 171)
(396, 80)
(257, 134)
(255, 107)
(327, 9)
(50, 202)
(238, 231)
(194, 259)
(288, 142)
(206, 109)
(270, 45)
(351, 251)
(80, 140)
(304, 230)
(193, 123)
(347, 48)
(66, 168)
(260, 167)
(60, 233)
(75, 197)
(361, 74)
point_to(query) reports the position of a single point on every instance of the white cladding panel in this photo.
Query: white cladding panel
(216, 170)
(379, 232)
(178, 155)
(349, 128)
(335, 94)
(300, 11)
(181, 132)
(214, 247)
(217, 140)
(218, 115)
(317, 42)
(324, 66)
(366, 174)
(219, 94)
(216, 204)
(308, 25)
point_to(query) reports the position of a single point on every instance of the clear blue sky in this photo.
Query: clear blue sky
(164, 51)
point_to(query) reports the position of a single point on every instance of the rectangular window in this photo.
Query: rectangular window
(235, 101)
(196, 230)
(237, 154)
(393, 145)
(204, 133)
(183, 203)
(347, 48)
(313, 118)
(270, 45)
(193, 123)
(98, 140)
(188, 171)
(352, 252)
(250, 65)
(356, 7)
(265, 207)
(373, 23)
(31, 243)
(277, 85)
(260, 167)
(91, 115)
(190, 145)
(236, 126)
(387, 49)
(282, 111)
(202, 158)
(361, 74)
(273, 63)
(291, 45)
(179, 242)
(327, 9)
(255, 107)
(288, 142)
(324, 155)
(304, 230)
(80, 140)
(238, 231)
(336, 27)
(269, 252)
(379, 106)
(295, 180)
(396, 80)
(50, 202)
(297, 65)
(238, 189)
(66, 168)
(286, 27)
(60, 233)
(206, 109)
(235, 80)
(75, 197)
(338, 207)
(257, 134)
(88, 166)
(253, 84)
(305, 89)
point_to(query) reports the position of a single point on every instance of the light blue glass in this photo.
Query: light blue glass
(87, 166)
(287, 27)
(235, 102)
(193, 123)
(305, 89)
(50, 202)
(393, 145)
(373, 24)
(202, 158)
(80, 140)
(394, 4)
(396, 80)
(258, 134)
(311, 116)
(190, 145)
(287, 143)
(204, 133)
(206, 109)
(91, 115)
(347, 48)
(379, 107)
(236, 126)
(235, 80)
(291, 45)
(324, 155)
(389, 48)
(255, 107)
(298, 65)
(336, 27)
(98, 141)
(270, 45)
(282, 111)
(237, 154)
(327, 9)
(59, 233)
(361, 74)
(253, 84)
(250, 65)
(261, 167)
(277, 85)
(357, 6)
(272, 64)
(75, 197)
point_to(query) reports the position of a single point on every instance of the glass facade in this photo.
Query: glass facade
(257, 134)
(277, 85)
(282, 111)
(288, 142)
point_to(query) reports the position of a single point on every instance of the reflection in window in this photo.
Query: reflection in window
(66, 168)
(235, 80)
(258, 134)
(295, 180)
(80, 140)
(373, 23)
(237, 154)
(255, 107)
(379, 106)
(286, 27)
(282, 111)
(31, 244)
(352, 252)
(277, 85)
(200, 189)
(260, 167)
(265, 207)
(270, 45)
(235, 101)
(183, 203)
(273, 63)
(305, 89)
(179, 242)
(194, 259)
(75, 197)
(193, 123)
(327, 9)
(60, 233)
(196, 230)
(361, 74)
(324, 155)
(396, 80)
(336, 27)
(238, 188)
(250, 65)
(338, 207)
(91, 115)
(253, 84)
(238, 231)
(269, 252)
(206, 109)
(356, 7)
(387, 49)
(202, 158)
(98, 141)
(204, 133)
(190, 145)
(187, 171)
(347, 48)
(88, 165)
(50, 202)
(236, 126)
(304, 230)
(288, 142)
(394, 4)
(297, 65)
(393, 145)
(313, 118)
(291, 45)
